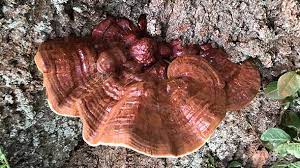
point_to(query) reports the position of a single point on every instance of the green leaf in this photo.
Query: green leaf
(294, 165)
(280, 166)
(288, 84)
(235, 164)
(289, 148)
(3, 161)
(291, 119)
(275, 136)
(288, 165)
(271, 90)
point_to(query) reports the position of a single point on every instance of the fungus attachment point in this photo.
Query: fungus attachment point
(119, 84)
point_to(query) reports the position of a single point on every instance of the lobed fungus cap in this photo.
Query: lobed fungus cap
(126, 97)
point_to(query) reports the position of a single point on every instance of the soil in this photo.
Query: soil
(268, 32)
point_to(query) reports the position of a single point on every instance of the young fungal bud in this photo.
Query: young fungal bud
(114, 32)
(142, 22)
(143, 51)
(127, 26)
(100, 29)
(164, 49)
(129, 39)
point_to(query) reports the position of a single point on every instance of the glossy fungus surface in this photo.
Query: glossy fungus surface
(130, 89)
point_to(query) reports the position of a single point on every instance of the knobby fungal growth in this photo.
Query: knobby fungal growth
(130, 89)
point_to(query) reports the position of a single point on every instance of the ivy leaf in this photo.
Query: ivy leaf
(288, 84)
(289, 148)
(271, 90)
(291, 119)
(235, 164)
(275, 136)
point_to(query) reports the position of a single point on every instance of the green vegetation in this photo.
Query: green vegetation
(3, 160)
(286, 139)
(289, 165)
(283, 144)
(235, 164)
(211, 162)
(285, 89)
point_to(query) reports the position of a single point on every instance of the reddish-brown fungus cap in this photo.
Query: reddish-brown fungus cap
(197, 68)
(243, 86)
(66, 64)
(242, 81)
(170, 118)
(125, 95)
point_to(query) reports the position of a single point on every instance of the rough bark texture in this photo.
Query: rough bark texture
(33, 136)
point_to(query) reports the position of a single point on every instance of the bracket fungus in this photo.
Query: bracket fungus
(130, 89)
